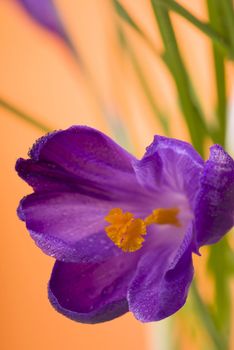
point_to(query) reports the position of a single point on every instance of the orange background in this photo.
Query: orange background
(38, 74)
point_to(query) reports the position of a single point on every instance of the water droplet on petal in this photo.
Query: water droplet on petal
(108, 290)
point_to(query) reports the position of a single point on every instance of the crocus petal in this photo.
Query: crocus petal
(78, 176)
(44, 176)
(82, 159)
(160, 285)
(170, 164)
(78, 147)
(44, 12)
(92, 293)
(67, 225)
(214, 213)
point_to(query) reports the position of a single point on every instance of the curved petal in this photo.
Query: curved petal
(44, 176)
(80, 149)
(160, 285)
(78, 175)
(67, 225)
(170, 165)
(214, 213)
(92, 293)
(83, 160)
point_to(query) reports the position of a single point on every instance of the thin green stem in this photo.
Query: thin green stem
(214, 35)
(228, 14)
(193, 117)
(220, 270)
(24, 116)
(221, 95)
(215, 16)
(218, 341)
(143, 81)
(222, 314)
(123, 13)
(146, 88)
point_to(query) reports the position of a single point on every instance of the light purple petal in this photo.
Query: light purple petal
(214, 213)
(92, 293)
(160, 285)
(68, 226)
(170, 166)
(78, 175)
(45, 13)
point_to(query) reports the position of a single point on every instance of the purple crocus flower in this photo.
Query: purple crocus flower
(123, 230)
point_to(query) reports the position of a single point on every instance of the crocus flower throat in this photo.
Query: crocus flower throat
(127, 232)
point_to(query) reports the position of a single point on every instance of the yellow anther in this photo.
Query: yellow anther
(163, 216)
(125, 231)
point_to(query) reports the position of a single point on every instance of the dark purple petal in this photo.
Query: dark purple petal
(67, 147)
(45, 13)
(163, 276)
(49, 177)
(92, 293)
(214, 213)
(81, 159)
(44, 176)
(170, 165)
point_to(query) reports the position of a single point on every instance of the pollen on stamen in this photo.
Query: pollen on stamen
(124, 230)
(127, 232)
(163, 216)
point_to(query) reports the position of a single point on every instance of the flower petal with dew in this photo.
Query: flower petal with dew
(123, 230)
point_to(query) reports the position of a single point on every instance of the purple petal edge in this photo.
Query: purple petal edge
(170, 163)
(108, 313)
(38, 146)
(214, 212)
(161, 282)
(92, 292)
(84, 250)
